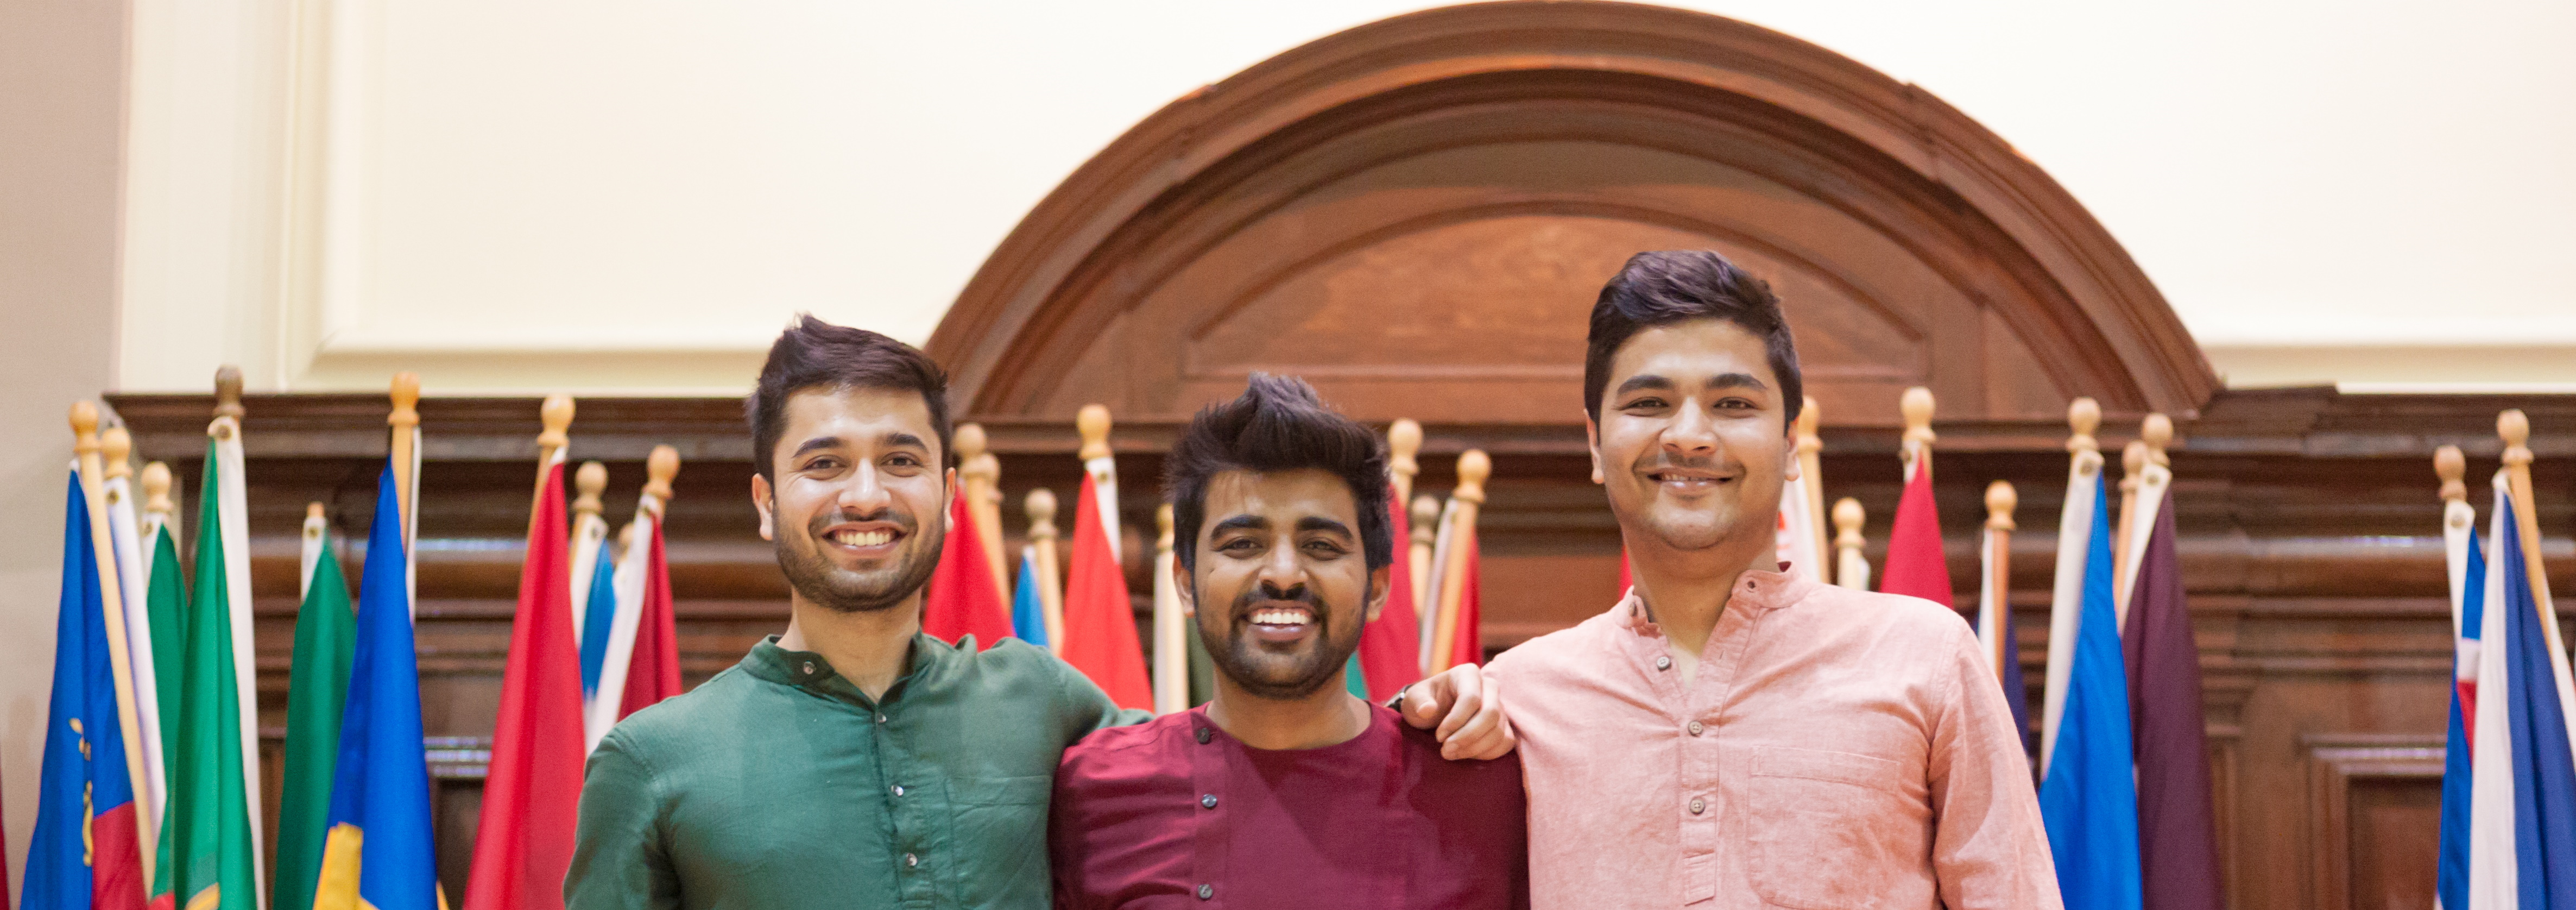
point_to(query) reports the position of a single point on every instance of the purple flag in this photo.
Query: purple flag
(2177, 837)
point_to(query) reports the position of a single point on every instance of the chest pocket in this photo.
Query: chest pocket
(1003, 820)
(1824, 827)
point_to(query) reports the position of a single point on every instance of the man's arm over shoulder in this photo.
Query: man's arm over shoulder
(620, 858)
(1081, 706)
(1989, 846)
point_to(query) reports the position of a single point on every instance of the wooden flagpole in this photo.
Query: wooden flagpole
(2144, 499)
(85, 446)
(2000, 502)
(1171, 677)
(158, 508)
(1474, 466)
(2516, 430)
(1811, 468)
(1851, 569)
(1040, 506)
(1426, 531)
(2458, 517)
(1403, 442)
(1916, 445)
(979, 476)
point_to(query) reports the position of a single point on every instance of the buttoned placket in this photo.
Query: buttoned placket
(1696, 713)
(1208, 843)
(911, 810)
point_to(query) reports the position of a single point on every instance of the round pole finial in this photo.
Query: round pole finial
(1040, 506)
(1474, 466)
(313, 512)
(556, 414)
(2083, 416)
(406, 398)
(1403, 441)
(659, 469)
(228, 392)
(118, 446)
(2516, 430)
(156, 488)
(1093, 423)
(588, 482)
(1426, 512)
(970, 440)
(1917, 407)
(1163, 527)
(1847, 519)
(1810, 417)
(84, 427)
(2000, 502)
(2133, 457)
(2157, 432)
(2452, 467)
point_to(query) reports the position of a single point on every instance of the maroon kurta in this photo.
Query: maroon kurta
(1176, 814)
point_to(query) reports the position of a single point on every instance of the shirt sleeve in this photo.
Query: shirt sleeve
(619, 859)
(1989, 846)
(1085, 707)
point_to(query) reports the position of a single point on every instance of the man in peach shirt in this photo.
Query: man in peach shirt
(1732, 735)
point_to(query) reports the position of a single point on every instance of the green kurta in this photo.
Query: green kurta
(777, 784)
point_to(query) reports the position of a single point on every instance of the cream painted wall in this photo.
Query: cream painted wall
(633, 196)
(62, 86)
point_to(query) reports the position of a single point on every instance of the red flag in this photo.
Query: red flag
(964, 599)
(653, 672)
(1099, 620)
(523, 843)
(1391, 646)
(1469, 645)
(1627, 578)
(1915, 565)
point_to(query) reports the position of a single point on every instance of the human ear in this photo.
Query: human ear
(761, 502)
(1381, 582)
(1183, 590)
(1592, 446)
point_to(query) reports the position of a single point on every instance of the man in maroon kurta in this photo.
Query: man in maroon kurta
(1285, 791)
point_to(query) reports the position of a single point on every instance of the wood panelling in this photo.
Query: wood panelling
(2374, 819)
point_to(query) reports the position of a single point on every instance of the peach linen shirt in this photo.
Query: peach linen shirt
(1837, 748)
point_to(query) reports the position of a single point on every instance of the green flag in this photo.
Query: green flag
(318, 686)
(209, 800)
(166, 601)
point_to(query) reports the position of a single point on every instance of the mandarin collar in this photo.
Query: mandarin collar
(1756, 592)
(809, 670)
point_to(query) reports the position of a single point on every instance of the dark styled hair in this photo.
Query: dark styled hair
(1669, 286)
(1278, 425)
(813, 354)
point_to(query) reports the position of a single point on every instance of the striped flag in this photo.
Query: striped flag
(167, 593)
(86, 851)
(1997, 637)
(2522, 837)
(2468, 570)
(963, 598)
(595, 600)
(2087, 795)
(214, 791)
(379, 854)
(134, 602)
(2177, 834)
(1099, 620)
(325, 639)
(641, 661)
(523, 841)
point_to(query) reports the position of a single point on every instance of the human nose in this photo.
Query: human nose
(1692, 433)
(864, 493)
(1281, 570)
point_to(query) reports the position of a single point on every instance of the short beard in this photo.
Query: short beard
(1232, 653)
(827, 586)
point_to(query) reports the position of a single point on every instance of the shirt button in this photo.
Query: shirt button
(880, 718)
(1698, 805)
(1207, 892)
(1204, 735)
(910, 860)
(1208, 801)
(1694, 731)
(898, 788)
(809, 668)
(1663, 663)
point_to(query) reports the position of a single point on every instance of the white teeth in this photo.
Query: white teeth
(1281, 617)
(862, 538)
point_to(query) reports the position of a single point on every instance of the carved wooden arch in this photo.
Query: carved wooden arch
(1416, 214)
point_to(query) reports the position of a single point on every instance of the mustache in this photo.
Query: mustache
(1266, 592)
(903, 520)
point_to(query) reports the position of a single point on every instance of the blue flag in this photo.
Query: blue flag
(2544, 770)
(379, 853)
(2451, 865)
(602, 614)
(1028, 615)
(2089, 799)
(86, 851)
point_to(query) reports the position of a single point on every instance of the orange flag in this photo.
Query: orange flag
(1099, 620)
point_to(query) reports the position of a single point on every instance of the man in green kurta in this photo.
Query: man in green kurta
(853, 761)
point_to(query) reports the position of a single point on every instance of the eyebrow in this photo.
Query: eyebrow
(818, 442)
(1239, 522)
(1735, 381)
(895, 438)
(1327, 525)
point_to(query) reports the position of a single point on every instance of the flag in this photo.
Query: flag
(1915, 566)
(215, 856)
(963, 598)
(1390, 656)
(168, 602)
(2468, 602)
(2087, 796)
(379, 853)
(1800, 531)
(325, 639)
(1468, 647)
(2522, 838)
(641, 665)
(523, 842)
(1171, 668)
(2177, 836)
(1028, 610)
(1099, 619)
(134, 604)
(86, 851)
(1996, 635)
(599, 616)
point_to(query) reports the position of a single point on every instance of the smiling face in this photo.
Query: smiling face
(1281, 587)
(859, 509)
(1692, 444)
